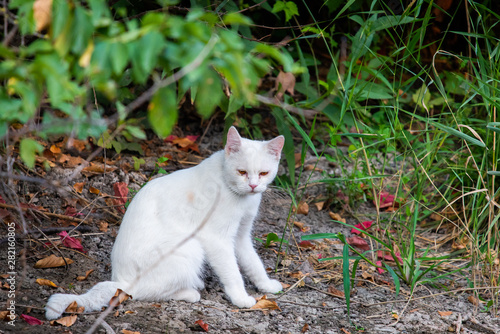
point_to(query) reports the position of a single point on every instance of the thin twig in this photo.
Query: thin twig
(50, 214)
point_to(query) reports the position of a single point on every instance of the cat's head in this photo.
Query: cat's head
(251, 165)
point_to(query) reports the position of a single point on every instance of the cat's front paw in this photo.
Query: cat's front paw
(272, 286)
(243, 301)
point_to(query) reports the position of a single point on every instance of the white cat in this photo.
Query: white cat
(177, 222)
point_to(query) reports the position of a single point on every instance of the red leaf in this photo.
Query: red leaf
(170, 138)
(121, 192)
(386, 200)
(31, 320)
(380, 270)
(71, 242)
(71, 211)
(203, 325)
(388, 256)
(358, 242)
(2, 200)
(192, 138)
(306, 244)
(362, 226)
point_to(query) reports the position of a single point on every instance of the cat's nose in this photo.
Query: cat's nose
(253, 186)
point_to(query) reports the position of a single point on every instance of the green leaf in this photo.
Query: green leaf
(347, 279)
(60, 16)
(120, 58)
(27, 150)
(236, 18)
(136, 131)
(81, 30)
(162, 111)
(289, 7)
(209, 93)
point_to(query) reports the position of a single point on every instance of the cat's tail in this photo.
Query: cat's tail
(94, 300)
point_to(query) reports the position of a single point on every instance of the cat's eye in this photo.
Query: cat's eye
(242, 172)
(263, 173)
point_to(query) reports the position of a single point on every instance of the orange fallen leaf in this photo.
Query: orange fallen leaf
(285, 82)
(55, 149)
(336, 216)
(473, 300)
(103, 226)
(345, 331)
(319, 205)
(303, 208)
(265, 304)
(126, 331)
(94, 190)
(77, 144)
(119, 297)
(46, 282)
(445, 313)
(97, 168)
(42, 14)
(305, 328)
(4, 315)
(52, 261)
(65, 321)
(87, 273)
(301, 226)
(336, 292)
(285, 286)
(74, 308)
(79, 187)
(203, 325)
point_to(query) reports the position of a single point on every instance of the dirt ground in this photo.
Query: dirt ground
(312, 303)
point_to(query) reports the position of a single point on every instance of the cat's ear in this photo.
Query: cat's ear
(275, 146)
(233, 142)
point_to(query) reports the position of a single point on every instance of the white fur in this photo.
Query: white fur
(151, 262)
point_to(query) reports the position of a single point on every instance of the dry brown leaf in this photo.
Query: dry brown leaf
(52, 261)
(345, 331)
(93, 190)
(445, 313)
(301, 226)
(336, 292)
(303, 208)
(97, 168)
(87, 273)
(79, 187)
(336, 216)
(305, 328)
(298, 160)
(55, 149)
(65, 321)
(103, 226)
(46, 282)
(3, 315)
(74, 308)
(78, 144)
(119, 297)
(126, 331)
(69, 161)
(130, 312)
(319, 205)
(473, 300)
(265, 304)
(285, 82)
(42, 13)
